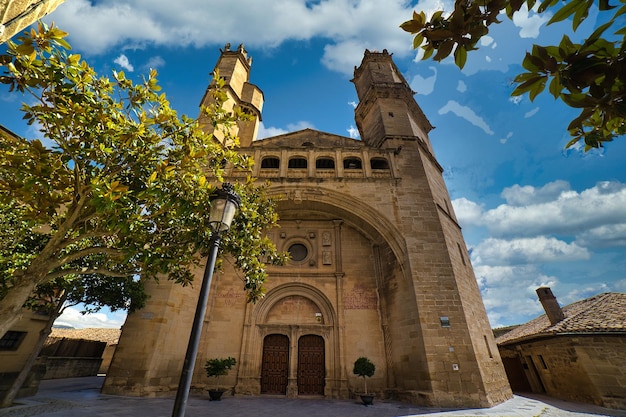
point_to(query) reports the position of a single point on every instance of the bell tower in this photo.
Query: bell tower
(234, 68)
(386, 106)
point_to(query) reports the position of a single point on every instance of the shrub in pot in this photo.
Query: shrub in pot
(217, 367)
(365, 368)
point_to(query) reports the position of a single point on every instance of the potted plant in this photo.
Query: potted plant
(365, 368)
(215, 368)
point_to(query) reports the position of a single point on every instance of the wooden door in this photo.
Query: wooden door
(311, 365)
(275, 365)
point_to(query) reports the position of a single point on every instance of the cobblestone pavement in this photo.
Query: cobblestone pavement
(80, 397)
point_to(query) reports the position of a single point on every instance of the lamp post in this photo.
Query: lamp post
(224, 204)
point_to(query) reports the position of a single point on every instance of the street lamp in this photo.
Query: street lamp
(224, 204)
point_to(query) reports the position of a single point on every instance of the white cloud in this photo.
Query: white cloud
(123, 62)
(604, 236)
(461, 87)
(568, 213)
(529, 22)
(424, 85)
(531, 113)
(96, 27)
(104, 318)
(467, 212)
(353, 132)
(527, 251)
(498, 283)
(353, 104)
(517, 195)
(467, 114)
(516, 99)
(154, 63)
(343, 56)
(506, 138)
(267, 132)
(620, 285)
(8, 98)
(486, 40)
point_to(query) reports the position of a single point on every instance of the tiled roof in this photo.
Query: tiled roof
(603, 313)
(110, 336)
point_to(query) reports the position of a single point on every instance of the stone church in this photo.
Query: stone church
(379, 268)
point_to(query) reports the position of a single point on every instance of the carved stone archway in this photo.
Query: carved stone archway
(293, 310)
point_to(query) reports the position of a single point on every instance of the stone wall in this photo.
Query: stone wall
(583, 368)
(60, 367)
(18, 14)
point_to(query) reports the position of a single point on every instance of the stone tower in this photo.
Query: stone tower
(234, 68)
(379, 269)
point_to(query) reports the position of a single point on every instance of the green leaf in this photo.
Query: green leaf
(596, 34)
(537, 88)
(566, 11)
(412, 26)
(460, 56)
(555, 86)
(444, 50)
(527, 85)
(428, 51)
(604, 5)
(418, 40)
(581, 14)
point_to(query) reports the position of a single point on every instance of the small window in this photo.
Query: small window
(298, 163)
(352, 163)
(379, 163)
(461, 253)
(488, 348)
(11, 340)
(298, 252)
(270, 163)
(307, 144)
(325, 163)
(445, 321)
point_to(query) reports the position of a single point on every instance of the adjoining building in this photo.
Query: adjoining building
(379, 268)
(576, 353)
(16, 15)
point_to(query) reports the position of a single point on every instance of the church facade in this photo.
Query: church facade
(379, 269)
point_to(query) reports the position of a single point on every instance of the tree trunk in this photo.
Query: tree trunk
(11, 304)
(7, 401)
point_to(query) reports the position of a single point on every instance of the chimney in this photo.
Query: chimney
(550, 305)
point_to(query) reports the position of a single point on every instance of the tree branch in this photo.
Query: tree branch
(86, 252)
(95, 271)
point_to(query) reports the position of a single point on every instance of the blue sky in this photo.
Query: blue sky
(532, 212)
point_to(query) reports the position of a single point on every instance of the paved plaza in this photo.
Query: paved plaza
(80, 397)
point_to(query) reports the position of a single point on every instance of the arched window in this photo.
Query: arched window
(379, 163)
(270, 162)
(297, 162)
(352, 163)
(325, 163)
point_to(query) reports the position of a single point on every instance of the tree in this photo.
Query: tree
(590, 76)
(365, 368)
(124, 189)
(217, 367)
(53, 298)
